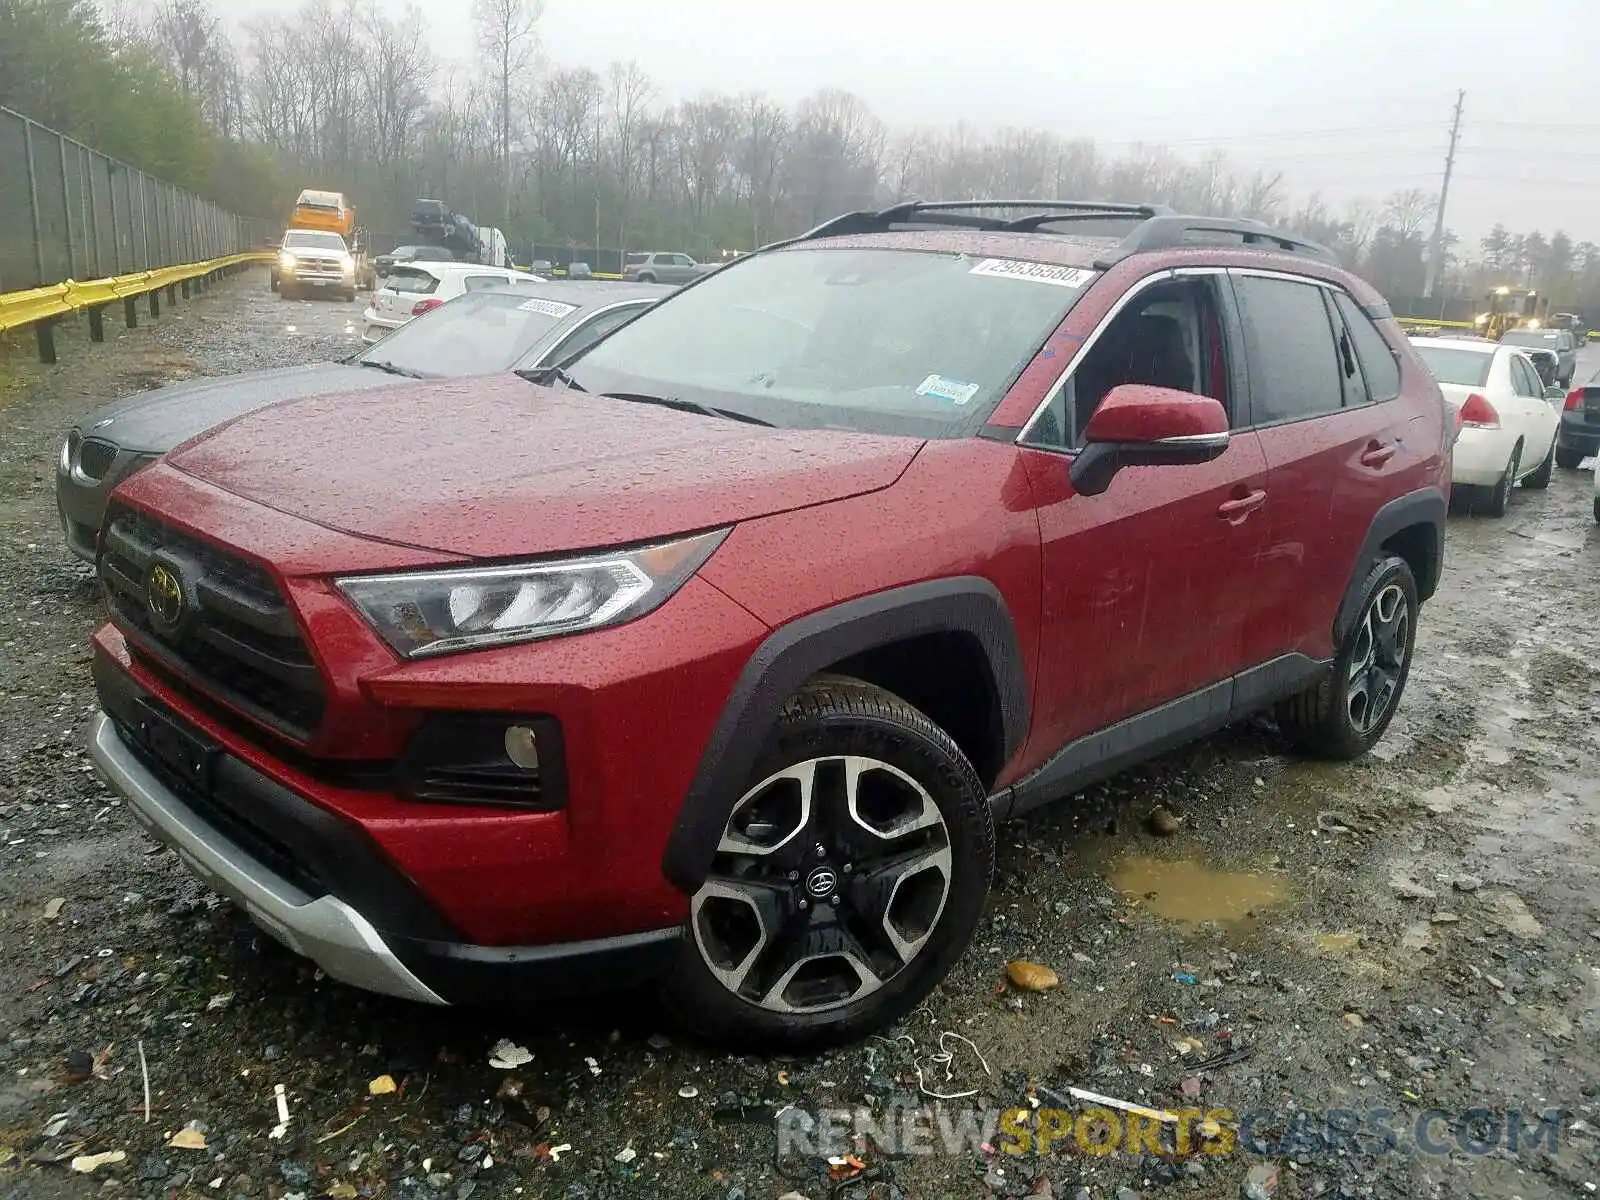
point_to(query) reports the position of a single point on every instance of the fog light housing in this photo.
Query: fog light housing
(499, 761)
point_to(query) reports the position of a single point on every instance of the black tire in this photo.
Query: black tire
(1540, 479)
(827, 720)
(1319, 720)
(647, 277)
(1597, 510)
(1568, 459)
(1500, 494)
(274, 281)
(349, 295)
(287, 291)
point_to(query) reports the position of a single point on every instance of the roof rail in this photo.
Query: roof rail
(1155, 226)
(968, 214)
(1166, 232)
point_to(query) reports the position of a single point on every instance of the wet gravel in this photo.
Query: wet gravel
(1420, 930)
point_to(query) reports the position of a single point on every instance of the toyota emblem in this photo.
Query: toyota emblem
(821, 882)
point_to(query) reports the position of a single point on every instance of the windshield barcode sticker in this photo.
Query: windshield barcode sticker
(947, 389)
(550, 308)
(1012, 268)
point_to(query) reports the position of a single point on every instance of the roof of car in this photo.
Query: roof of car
(1481, 345)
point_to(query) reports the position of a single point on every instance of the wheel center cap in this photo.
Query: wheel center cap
(821, 882)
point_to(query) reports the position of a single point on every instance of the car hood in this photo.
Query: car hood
(496, 467)
(154, 422)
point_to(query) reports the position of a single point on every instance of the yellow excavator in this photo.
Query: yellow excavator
(1508, 308)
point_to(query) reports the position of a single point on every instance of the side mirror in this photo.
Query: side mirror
(1139, 425)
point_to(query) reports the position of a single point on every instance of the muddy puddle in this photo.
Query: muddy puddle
(1190, 892)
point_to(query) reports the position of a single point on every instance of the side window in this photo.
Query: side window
(1378, 365)
(1294, 365)
(1170, 336)
(1351, 376)
(1521, 383)
(473, 283)
(682, 260)
(588, 334)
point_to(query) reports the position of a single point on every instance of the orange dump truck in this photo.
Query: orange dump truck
(323, 210)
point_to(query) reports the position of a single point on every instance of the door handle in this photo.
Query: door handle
(1237, 510)
(1376, 454)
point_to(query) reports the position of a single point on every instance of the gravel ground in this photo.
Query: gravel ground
(1420, 930)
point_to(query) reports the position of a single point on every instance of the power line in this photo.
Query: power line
(1347, 131)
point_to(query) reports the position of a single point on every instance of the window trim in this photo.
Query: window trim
(1025, 434)
(1394, 355)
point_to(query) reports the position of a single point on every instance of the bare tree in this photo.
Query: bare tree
(506, 39)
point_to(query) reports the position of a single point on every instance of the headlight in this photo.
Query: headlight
(69, 451)
(286, 261)
(440, 612)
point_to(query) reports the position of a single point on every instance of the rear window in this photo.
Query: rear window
(410, 280)
(1455, 365)
(478, 333)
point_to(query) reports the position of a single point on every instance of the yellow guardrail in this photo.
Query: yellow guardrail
(58, 300)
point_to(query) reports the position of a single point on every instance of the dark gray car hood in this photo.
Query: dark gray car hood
(154, 422)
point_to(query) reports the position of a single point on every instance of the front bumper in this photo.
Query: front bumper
(335, 934)
(322, 928)
(81, 501)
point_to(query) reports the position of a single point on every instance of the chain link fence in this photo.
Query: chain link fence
(69, 212)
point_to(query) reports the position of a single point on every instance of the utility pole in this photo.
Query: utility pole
(1436, 245)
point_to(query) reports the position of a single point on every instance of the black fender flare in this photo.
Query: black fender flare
(1426, 506)
(795, 652)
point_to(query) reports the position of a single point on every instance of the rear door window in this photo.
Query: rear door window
(1523, 378)
(1378, 365)
(1294, 365)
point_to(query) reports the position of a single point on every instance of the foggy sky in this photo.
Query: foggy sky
(1349, 98)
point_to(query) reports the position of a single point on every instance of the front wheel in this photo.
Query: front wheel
(1343, 716)
(849, 877)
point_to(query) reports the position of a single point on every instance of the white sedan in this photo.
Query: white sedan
(1507, 427)
(413, 288)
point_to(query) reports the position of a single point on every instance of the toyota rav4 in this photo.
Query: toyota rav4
(715, 653)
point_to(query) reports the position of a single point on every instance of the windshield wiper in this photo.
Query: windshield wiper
(389, 368)
(544, 376)
(693, 406)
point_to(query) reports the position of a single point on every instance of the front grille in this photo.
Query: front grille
(95, 458)
(236, 640)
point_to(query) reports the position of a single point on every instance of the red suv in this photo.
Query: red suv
(716, 653)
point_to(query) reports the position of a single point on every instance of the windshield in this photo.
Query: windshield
(887, 341)
(475, 334)
(311, 240)
(1451, 364)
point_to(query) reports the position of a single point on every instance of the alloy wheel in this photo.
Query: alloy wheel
(830, 878)
(1379, 658)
